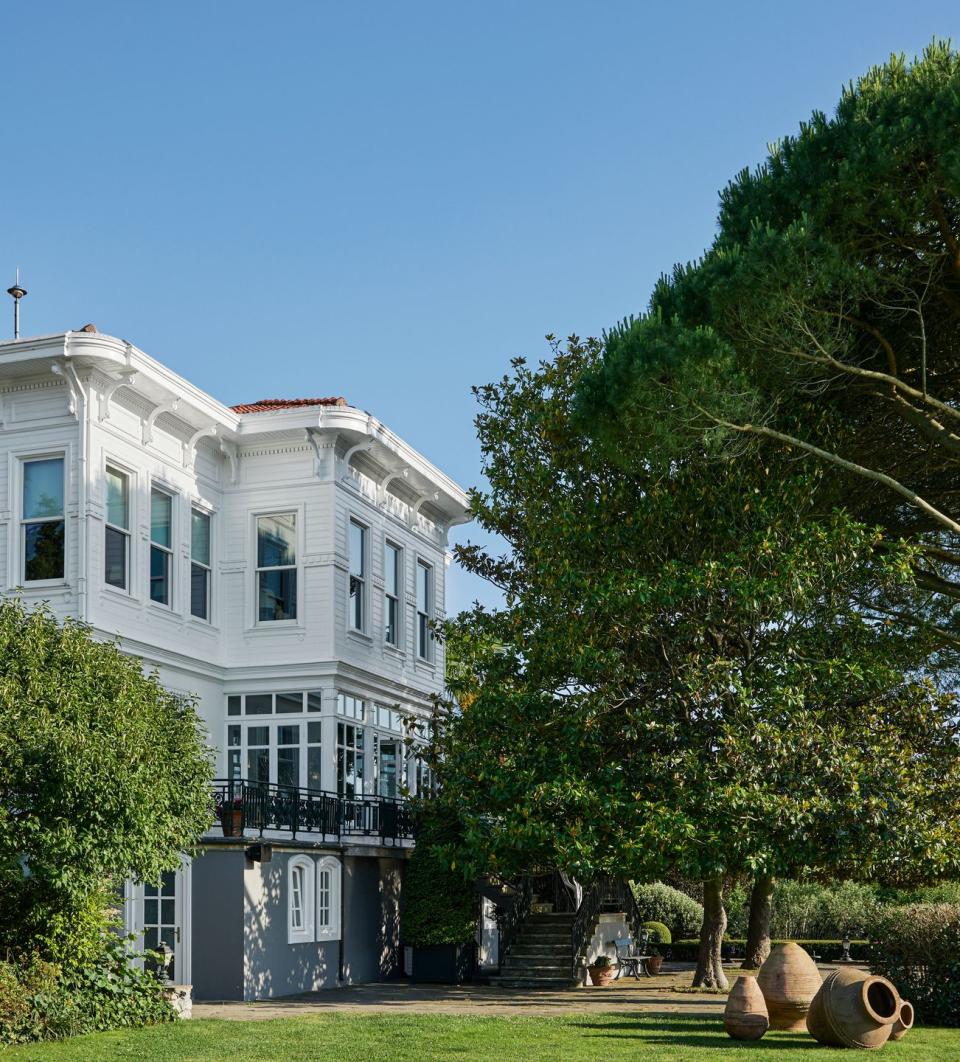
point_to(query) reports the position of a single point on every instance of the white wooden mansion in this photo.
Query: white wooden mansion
(282, 562)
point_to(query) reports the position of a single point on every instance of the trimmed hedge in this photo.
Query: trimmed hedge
(734, 947)
(675, 909)
(659, 934)
(918, 948)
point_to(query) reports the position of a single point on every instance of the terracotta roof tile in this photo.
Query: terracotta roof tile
(268, 405)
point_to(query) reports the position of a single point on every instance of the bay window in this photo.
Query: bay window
(424, 609)
(116, 559)
(393, 581)
(42, 519)
(161, 546)
(358, 576)
(199, 564)
(277, 567)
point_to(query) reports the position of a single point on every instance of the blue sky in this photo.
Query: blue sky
(388, 201)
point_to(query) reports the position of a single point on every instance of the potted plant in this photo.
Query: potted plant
(231, 816)
(657, 935)
(654, 960)
(601, 971)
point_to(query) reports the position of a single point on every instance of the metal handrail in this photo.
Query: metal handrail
(583, 926)
(512, 915)
(270, 806)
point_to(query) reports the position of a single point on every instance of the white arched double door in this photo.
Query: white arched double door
(159, 913)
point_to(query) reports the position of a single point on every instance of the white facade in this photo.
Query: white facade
(290, 496)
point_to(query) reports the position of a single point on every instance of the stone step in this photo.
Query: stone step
(533, 982)
(541, 949)
(553, 916)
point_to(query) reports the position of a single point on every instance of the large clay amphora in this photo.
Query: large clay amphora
(854, 1009)
(904, 1022)
(745, 1015)
(789, 979)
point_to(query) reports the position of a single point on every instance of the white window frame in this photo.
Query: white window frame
(22, 461)
(303, 867)
(363, 578)
(171, 550)
(296, 511)
(331, 931)
(397, 598)
(195, 507)
(427, 655)
(127, 532)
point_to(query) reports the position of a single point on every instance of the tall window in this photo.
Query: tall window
(199, 564)
(161, 545)
(424, 609)
(258, 754)
(388, 768)
(392, 580)
(116, 560)
(314, 755)
(288, 754)
(358, 575)
(42, 537)
(300, 905)
(277, 567)
(350, 760)
(328, 899)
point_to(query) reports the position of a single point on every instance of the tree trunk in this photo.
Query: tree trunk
(761, 911)
(709, 967)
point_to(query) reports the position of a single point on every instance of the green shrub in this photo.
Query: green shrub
(918, 948)
(827, 950)
(675, 909)
(659, 934)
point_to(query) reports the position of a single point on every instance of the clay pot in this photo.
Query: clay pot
(654, 962)
(904, 1022)
(745, 1015)
(601, 975)
(788, 979)
(854, 1009)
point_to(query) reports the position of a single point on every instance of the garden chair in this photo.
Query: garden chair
(630, 958)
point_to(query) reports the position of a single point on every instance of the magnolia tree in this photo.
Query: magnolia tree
(104, 776)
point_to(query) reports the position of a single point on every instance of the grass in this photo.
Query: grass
(370, 1038)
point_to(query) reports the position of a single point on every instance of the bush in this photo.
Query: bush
(663, 903)
(918, 948)
(809, 910)
(659, 934)
(734, 947)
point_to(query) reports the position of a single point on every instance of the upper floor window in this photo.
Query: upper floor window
(161, 546)
(424, 609)
(116, 542)
(392, 581)
(358, 575)
(277, 567)
(43, 522)
(199, 564)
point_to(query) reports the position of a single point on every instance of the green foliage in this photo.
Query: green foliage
(659, 933)
(810, 910)
(827, 950)
(918, 948)
(669, 906)
(104, 776)
(437, 907)
(40, 1000)
(603, 962)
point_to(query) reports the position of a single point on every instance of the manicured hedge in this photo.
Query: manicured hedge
(733, 947)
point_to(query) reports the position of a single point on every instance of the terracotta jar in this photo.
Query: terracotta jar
(789, 979)
(904, 1022)
(745, 1015)
(854, 1009)
(654, 962)
(601, 975)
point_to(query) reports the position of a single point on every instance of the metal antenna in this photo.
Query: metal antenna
(17, 293)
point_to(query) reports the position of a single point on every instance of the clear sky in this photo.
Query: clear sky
(389, 200)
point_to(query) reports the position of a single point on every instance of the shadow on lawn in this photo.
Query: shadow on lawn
(693, 1034)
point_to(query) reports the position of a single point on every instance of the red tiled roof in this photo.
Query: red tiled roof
(267, 405)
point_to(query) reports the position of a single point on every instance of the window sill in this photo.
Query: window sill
(275, 627)
(392, 650)
(45, 584)
(359, 635)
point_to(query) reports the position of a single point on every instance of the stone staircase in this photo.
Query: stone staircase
(542, 955)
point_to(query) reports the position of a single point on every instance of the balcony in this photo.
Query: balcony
(266, 808)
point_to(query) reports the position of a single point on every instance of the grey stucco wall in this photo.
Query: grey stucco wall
(217, 920)
(371, 918)
(273, 967)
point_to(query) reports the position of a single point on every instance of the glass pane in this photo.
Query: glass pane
(358, 535)
(150, 912)
(278, 595)
(43, 488)
(233, 764)
(422, 632)
(390, 631)
(168, 882)
(288, 735)
(314, 767)
(288, 766)
(315, 701)
(314, 733)
(151, 939)
(233, 735)
(356, 603)
(391, 564)
(115, 558)
(159, 575)
(276, 540)
(117, 499)
(388, 768)
(199, 591)
(259, 704)
(43, 551)
(289, 702)
(161, 513)
(233, 706)
(423, 588)
(200, 537)
(258, 735)
(150, 890)
(168, 914)
(168, 937)
(258, 765)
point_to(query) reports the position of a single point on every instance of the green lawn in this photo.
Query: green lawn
(369, 1038)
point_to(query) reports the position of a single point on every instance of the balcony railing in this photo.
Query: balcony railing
(265, 806)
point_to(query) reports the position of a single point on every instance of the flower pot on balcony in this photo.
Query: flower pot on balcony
(231, 821)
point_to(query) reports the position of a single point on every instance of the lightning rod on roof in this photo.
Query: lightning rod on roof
(17, 293)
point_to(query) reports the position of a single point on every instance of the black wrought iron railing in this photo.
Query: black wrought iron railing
(242, 805)
(512, 913)
(585, 923)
